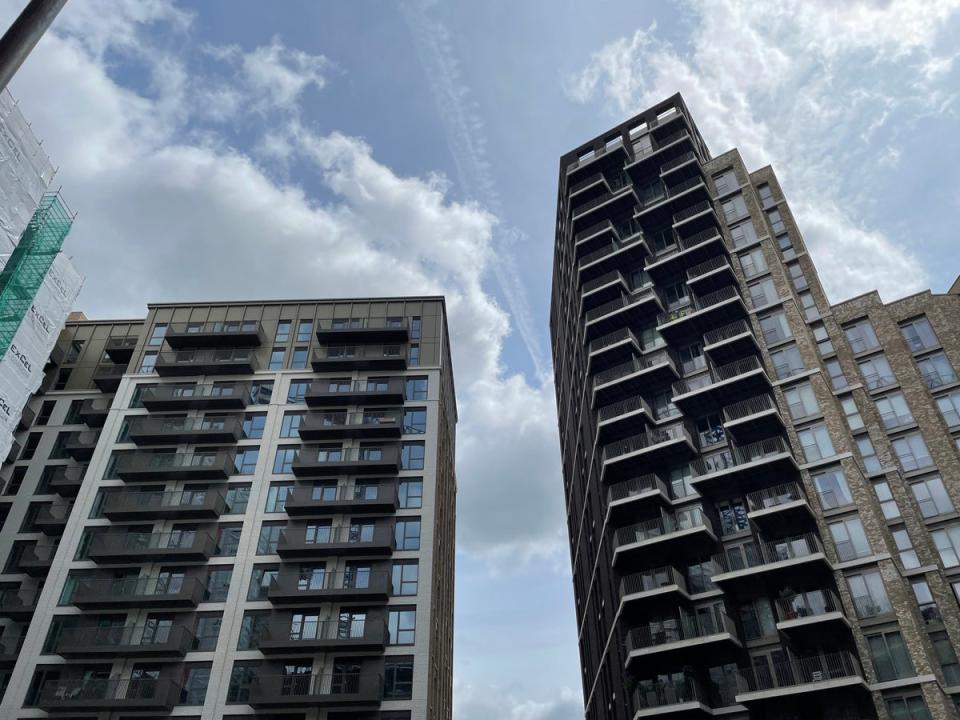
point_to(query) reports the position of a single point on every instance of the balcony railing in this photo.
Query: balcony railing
(663, 693)
(719, 375)
(808, 604)
(936, 378)
(144, 693)
(635, 365)
(618, 186)
(67, 479)
(684, 627)
(163, 429)
(167, 397)
(642, 441)
(202, 360)
(614, 144)
(665, 525)
(608, 249)
(372, 538)
(795, 671)
(18, 602)
(758, 554)
(308, 586)
(183, 543)
(165, 639)
(160, 463)
(300, 690)
(286, 634)
(636, 298)
(774, 496)
(637, 486)
(739, 456)
(725, 332)
(630, 405)
(643, 151)
(651, 580)
(232, 333)
(707, 266)
(171, 503)
(689, 212)
(611, 338)
(163, 590)
(611, 277)
(698, 304)
(746, 408)
(677, 161)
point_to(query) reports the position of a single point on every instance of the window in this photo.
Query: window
(797, 276)
(936, 370)
(876, 372)
(753, 263)
(416, 326)
(276, 359)
(824, 343)
(408, 534)
(148, 362)
(946, 656)
(402, 626)
(241, 678)
(304, 330)
(415, 388)
(283, 462)
(252, 628)
(775, 327)
(269, 538)
(734, 208)
(726, 182)
(766, 195)
(228, 540)
(397, 678)
(861, 336)
(404, 577)
(245, 460)
(786, 247)
(850, 539)
(816, 442)
(801, 402)
(871, 462)
(912, 452)
(283, 331)
(208, 630)
(891, 511)
(157, 334)
(787, 362)
(411, 493)
(193, 691)
(290, 427)
(832, 489)
(919, 335)
(277, 496)
(298, 360)
(869, 594)
(894, 411)
(413, 355)
(890, 657)
(776, 221)
(415, 420)
(908, 708)
(837, 379)
(261, 579)
(908, 556)
(30, 447)
(947, 542)
(733, 516)
(762, 293)
(853, 414)
(925, 602)
(260, 392)
(73, 412)
(236, 499)
(743, 234)
(218, 583)
(932, 497)
(253, 425)
(810, 310)
(949, 406)
(298, 391)
(412, 455)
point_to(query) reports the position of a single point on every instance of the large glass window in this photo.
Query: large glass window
(912, 452)
(919, 335)
(753, 263)
(949, 406)
(869, 594)
(283, 461)
(218, 583)
(908, 708)
(415, 388)
(408, 534)
(743, 234)
(277, 496)
(801, 402)
(402, 626)
(797, 276)
(787, 362)
(854, 420)
(850, 539)
(762, 293)
(775, 327)
(290, 428)
(415, 420)
(193, 691)
(412, 455)
(283, 331)
(890, 657)
(861, 336)
(411, 493)
(397, 678)
(832, 489)
(816, 442)
(837, 379)
(871, 462)
(947, 542)
(876, 372)
(932, 497)
(776, 221)
(404, 577)
(936, 370)
(269, 538)
(245, 461)
(947, 657)
(908, 556)
(253, 425)
(894, 411)
(891, 511)
(304, 330)
(298, 391)
(734, 207)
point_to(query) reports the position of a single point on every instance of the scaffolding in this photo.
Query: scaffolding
(28, 264)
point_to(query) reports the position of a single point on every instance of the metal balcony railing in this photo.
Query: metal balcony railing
(129, 636)
(314, 456)
(617, 185)
(160, 425)
(808, 604)
(641, 151)
(725, 332)
(937, 378)
(739, 456)
(697, 304)
(206, 356)
(637, 297)
(136, 587)
(758, 554)
(312, 582)
(157, 500)
(684, 627)
(132, 542)
(642, 441)
(719, 374)
(631, 404)
(661, 693)
(658, 527)
(637, 486)
(333, 535)
(605, 279)
(608, 249)
(650, 580)
(802, 671)
(614, 144)
(271, 689)
(358, 352)
(114, 692)
(168, 461)
(707, 266)
(632, 366)
(746, 408)
(306, 631)
(774, 496)
(195, 392)
(694, 209)
(220, 327)
(358, 419)
(618, 335)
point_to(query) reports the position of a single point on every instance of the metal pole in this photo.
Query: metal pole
(24, 34)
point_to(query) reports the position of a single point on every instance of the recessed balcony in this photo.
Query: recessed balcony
(192, 396)
(774, 562)
(153, 466)
(206, 361)
(36, 559)
(636, 375)
(150, 641)
(612, 153)
(319, 462)
(332, 393)
(604, 289)
(632, 455)
(107, 377)
(94, 411)
(337, 425)
(356, 690)
(659, 201)
(91, 694)
(331, 500)
(742, 466)
(291, 587)
(753, 419)
(660, 586)
(620, 198)
(614, 255)
(164, 591)
(221, 334)
(670, 698)
(719, 386)
(120, 349)
(152, 505)
(707, 638)
(799, 676)
(711, 274)
(601, 234)
(622, 419)
(18, 604)
(701, 314)
(680, 164)
(220, 430)
(628, 310)
(730, 342)
(334, 358)
(80, 445)
(67, 479)
(813, 616)
(781, 508)
(611, 349)
(696, 217)
(293, 635)
(52, 519)
(638, 494)
(323, 541)
(652, 150)
(183, 545)
(687, 530)
(363, 330)
(685, 251)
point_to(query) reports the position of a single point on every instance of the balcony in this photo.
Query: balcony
(614, 348)
(659, 200)
(603, 289)
(52, 519)
(638, 494)
(107, 377)
(623, 312)
(753, 419)
(293, 636)
(371, 392)
(699, 216)
(688, 530)
(120, 349)
(622, 419)
(156, 505)
(781, 508)
(318, 462)
(150, 641)
(719, 386)
(325, 541)
(334, 358)
(337, 425)
(359, 690)
(67, 479)
(116, 694)
(707, 638)
(174, 431)
(651, 151)
(676, 698)
(614, 255)
(37, 559)
(363, 330)
(730, 342)
(613, 153)
(744, 465)
(637, 453)
(621, 198)
(153, 466)
(18, 604)
(206, 361)
(702, 314)
(634, 376)
(138, 592)
(685, 251)
(222, 334)
(290, 587)
(711, 274)
(660, 586)
(602, 233)
(774, 562)
(329, 500)
(139, 547)
(218, 396)
(94, 411)
(813, 616)
(798, 676)
(80, 445)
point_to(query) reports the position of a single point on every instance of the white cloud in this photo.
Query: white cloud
(809, 87)
(485, 703)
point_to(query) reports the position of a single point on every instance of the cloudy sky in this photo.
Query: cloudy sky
(240, 148)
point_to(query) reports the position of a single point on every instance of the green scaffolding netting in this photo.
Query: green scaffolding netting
(28, 264)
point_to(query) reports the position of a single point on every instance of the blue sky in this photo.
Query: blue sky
(323, 149)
